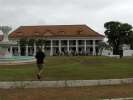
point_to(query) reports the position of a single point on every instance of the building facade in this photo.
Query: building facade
(55, 40)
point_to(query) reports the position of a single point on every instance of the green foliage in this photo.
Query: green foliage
(40, 42)
(117, 34)
(131, 40)
(23, 42)
(31, 42)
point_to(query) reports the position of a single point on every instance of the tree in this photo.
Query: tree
(117, 34)
(23, 42)
(31, 42)
(131, 41)
(40, 42)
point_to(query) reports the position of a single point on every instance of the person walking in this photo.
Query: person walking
(40, 56)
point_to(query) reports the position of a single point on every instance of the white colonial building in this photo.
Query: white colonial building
(57, 40)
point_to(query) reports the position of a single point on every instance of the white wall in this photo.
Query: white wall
(107, 52)
(128, 53)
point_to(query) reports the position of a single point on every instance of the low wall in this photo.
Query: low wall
(64, 83)
(107, 52)
(128, 53)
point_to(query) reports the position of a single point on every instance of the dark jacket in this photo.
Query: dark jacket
(40, 57)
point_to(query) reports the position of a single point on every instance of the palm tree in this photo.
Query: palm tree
(23, 42)
(31, 42)
(40, 42)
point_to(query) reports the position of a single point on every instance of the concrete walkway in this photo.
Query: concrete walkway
(17, 62)
(63, 83)
(131, 98)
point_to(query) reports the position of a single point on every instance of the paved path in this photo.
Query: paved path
(17, 62)
(63, 83)
(120, 99)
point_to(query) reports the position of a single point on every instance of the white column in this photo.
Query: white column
(34, 48)
(43, 47)
(68, 46)
(27, 51)
(19, 50)
(51, 48)
(77, 46)
(60, 46)
(11, 52)
(94, 48)
(85, 46)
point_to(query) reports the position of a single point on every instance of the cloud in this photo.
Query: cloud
(94, 13)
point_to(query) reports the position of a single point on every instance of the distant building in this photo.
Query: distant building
(126, 51)
(125, 47)
(59, 40)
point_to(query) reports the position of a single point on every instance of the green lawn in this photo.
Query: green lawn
(77, 68)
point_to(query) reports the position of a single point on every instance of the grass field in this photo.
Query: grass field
(71, 68)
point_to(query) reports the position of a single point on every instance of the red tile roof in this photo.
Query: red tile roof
(54, 31)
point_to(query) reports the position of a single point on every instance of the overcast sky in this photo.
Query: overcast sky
(94, 13)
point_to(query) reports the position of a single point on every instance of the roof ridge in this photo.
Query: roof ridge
(54, 25)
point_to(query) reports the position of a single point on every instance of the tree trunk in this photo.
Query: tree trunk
(131, 46)
(116, 50)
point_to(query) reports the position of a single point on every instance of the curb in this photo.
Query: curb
(63, 83)
(120, 99)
